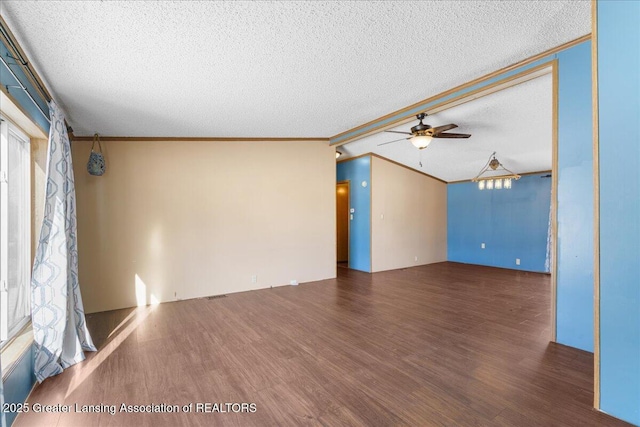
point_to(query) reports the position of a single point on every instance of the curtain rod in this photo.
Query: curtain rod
(11, 45)
(6, 34)
(24, 88)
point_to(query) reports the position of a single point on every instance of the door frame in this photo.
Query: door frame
(348, 183)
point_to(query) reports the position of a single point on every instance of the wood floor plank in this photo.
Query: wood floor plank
(439, 345)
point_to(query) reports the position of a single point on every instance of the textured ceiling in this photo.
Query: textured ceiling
(514, 122)
(271, 69)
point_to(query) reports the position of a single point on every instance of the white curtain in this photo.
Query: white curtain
(59, 327)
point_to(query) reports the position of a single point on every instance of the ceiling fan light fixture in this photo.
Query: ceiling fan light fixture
(422, 134)
(421, 141)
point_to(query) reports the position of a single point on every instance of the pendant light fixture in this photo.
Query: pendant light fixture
(495, 182)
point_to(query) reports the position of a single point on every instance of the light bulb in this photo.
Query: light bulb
(498, 184)
(489, 184)
(481, 185)
(507, 183)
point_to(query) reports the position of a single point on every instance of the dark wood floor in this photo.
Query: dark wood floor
(444, 345)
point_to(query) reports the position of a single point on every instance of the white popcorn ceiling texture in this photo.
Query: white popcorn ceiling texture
(272, 69)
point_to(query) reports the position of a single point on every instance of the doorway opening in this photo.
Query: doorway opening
(342, 223)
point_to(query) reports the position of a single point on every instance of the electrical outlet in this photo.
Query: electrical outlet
(415, 258)
(254, 279)
(482, 246)
(293, 282)
(517, 261)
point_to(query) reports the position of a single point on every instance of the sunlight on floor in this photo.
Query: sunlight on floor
(85, 369)
(119, 334)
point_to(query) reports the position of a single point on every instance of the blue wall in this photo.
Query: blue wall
(512, 224)
(356, 171)
(619, 135)
(575, 199)
(19, 382)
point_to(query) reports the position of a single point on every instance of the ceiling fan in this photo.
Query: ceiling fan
(421, 134)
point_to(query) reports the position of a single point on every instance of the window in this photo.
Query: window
(15, 230)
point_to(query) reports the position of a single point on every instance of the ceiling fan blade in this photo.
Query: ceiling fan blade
(452, 135)
(395, 140)
(395, 131)
(436, 130)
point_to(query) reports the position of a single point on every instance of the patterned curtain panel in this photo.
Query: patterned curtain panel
(57, 314)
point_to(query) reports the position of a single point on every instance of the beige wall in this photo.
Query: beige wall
(414, 207)
(177, 220)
